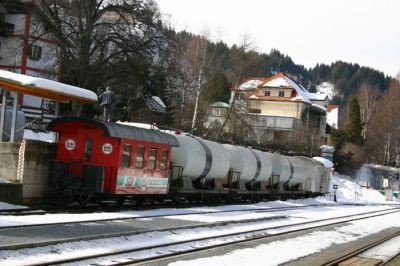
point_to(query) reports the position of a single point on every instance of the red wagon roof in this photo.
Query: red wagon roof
(122, 131)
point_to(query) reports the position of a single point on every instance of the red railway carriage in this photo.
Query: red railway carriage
(98, 157)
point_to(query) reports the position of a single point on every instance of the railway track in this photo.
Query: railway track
(165, 249)
(177, 213)
(355, 256)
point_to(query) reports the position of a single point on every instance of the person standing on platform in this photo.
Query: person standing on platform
(107, 99)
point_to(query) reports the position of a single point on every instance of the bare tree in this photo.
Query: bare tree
(367, 98)
(201, 58)
(97, 35)
(245, 47)
(181, 80)
(384, 133)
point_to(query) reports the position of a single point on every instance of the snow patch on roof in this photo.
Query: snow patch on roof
(317, 96)
(301, 92)
(332, 117)
(277, 83)
(253, 97)
(318, 107)
(159, 101)
(139, 125)
(296, 99)
(250, 84)
(325, 162)
(219, 104)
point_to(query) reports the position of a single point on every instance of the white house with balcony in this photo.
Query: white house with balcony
(279, 104)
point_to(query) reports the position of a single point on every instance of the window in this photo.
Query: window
(255, 111)
(281, 94)
(88, 149)
(267, 93)
(164, 159)
(139, 157)
(126, 156)
(34, 52)
(152, 158)
(217, 111)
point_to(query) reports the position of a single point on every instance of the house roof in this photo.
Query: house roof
(251, 83)
(279, 80)
(155, 104)
(331, 107)
(219, 104)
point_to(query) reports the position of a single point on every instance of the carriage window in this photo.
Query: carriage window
(126, 156)
(152, 158)
(88, 149)
(139, 157)
(164, 158)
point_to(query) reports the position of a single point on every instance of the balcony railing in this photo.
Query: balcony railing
(272, 122)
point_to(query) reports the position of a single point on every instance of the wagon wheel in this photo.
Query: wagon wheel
(84, 198)
(120, 201)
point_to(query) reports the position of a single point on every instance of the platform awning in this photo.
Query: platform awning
(45, 88)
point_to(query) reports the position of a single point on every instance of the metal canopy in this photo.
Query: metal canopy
(121, 131)
(45, 88)
(18, 83)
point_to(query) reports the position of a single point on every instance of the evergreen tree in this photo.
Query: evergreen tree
(353, 126)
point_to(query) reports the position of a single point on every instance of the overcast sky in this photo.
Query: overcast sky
(366, 32)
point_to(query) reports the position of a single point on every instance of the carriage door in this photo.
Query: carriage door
(93, 174)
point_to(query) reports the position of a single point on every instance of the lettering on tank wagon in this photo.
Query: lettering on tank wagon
(70, 144)
(142, 182)
(107, 148)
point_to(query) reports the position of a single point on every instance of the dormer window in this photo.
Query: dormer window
(267, 93)
(281, 93)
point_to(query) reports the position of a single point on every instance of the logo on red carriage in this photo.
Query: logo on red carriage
(107, 148)
(70, 144)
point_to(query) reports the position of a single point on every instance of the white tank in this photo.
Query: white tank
(314, 171)
(200, 158)
(326, 178)
(243, 161)
(281, 167)
(266, 166)
(300, 171)
(190, 155)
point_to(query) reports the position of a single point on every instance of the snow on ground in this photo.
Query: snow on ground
(308, 244)
(278, 252)
(385, 251)
(350, 192)
(2, 180)
(8, 206)
(83, 217)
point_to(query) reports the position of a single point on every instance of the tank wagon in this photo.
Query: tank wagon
(109, 160)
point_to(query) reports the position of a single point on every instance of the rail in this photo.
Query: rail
(218, 240)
